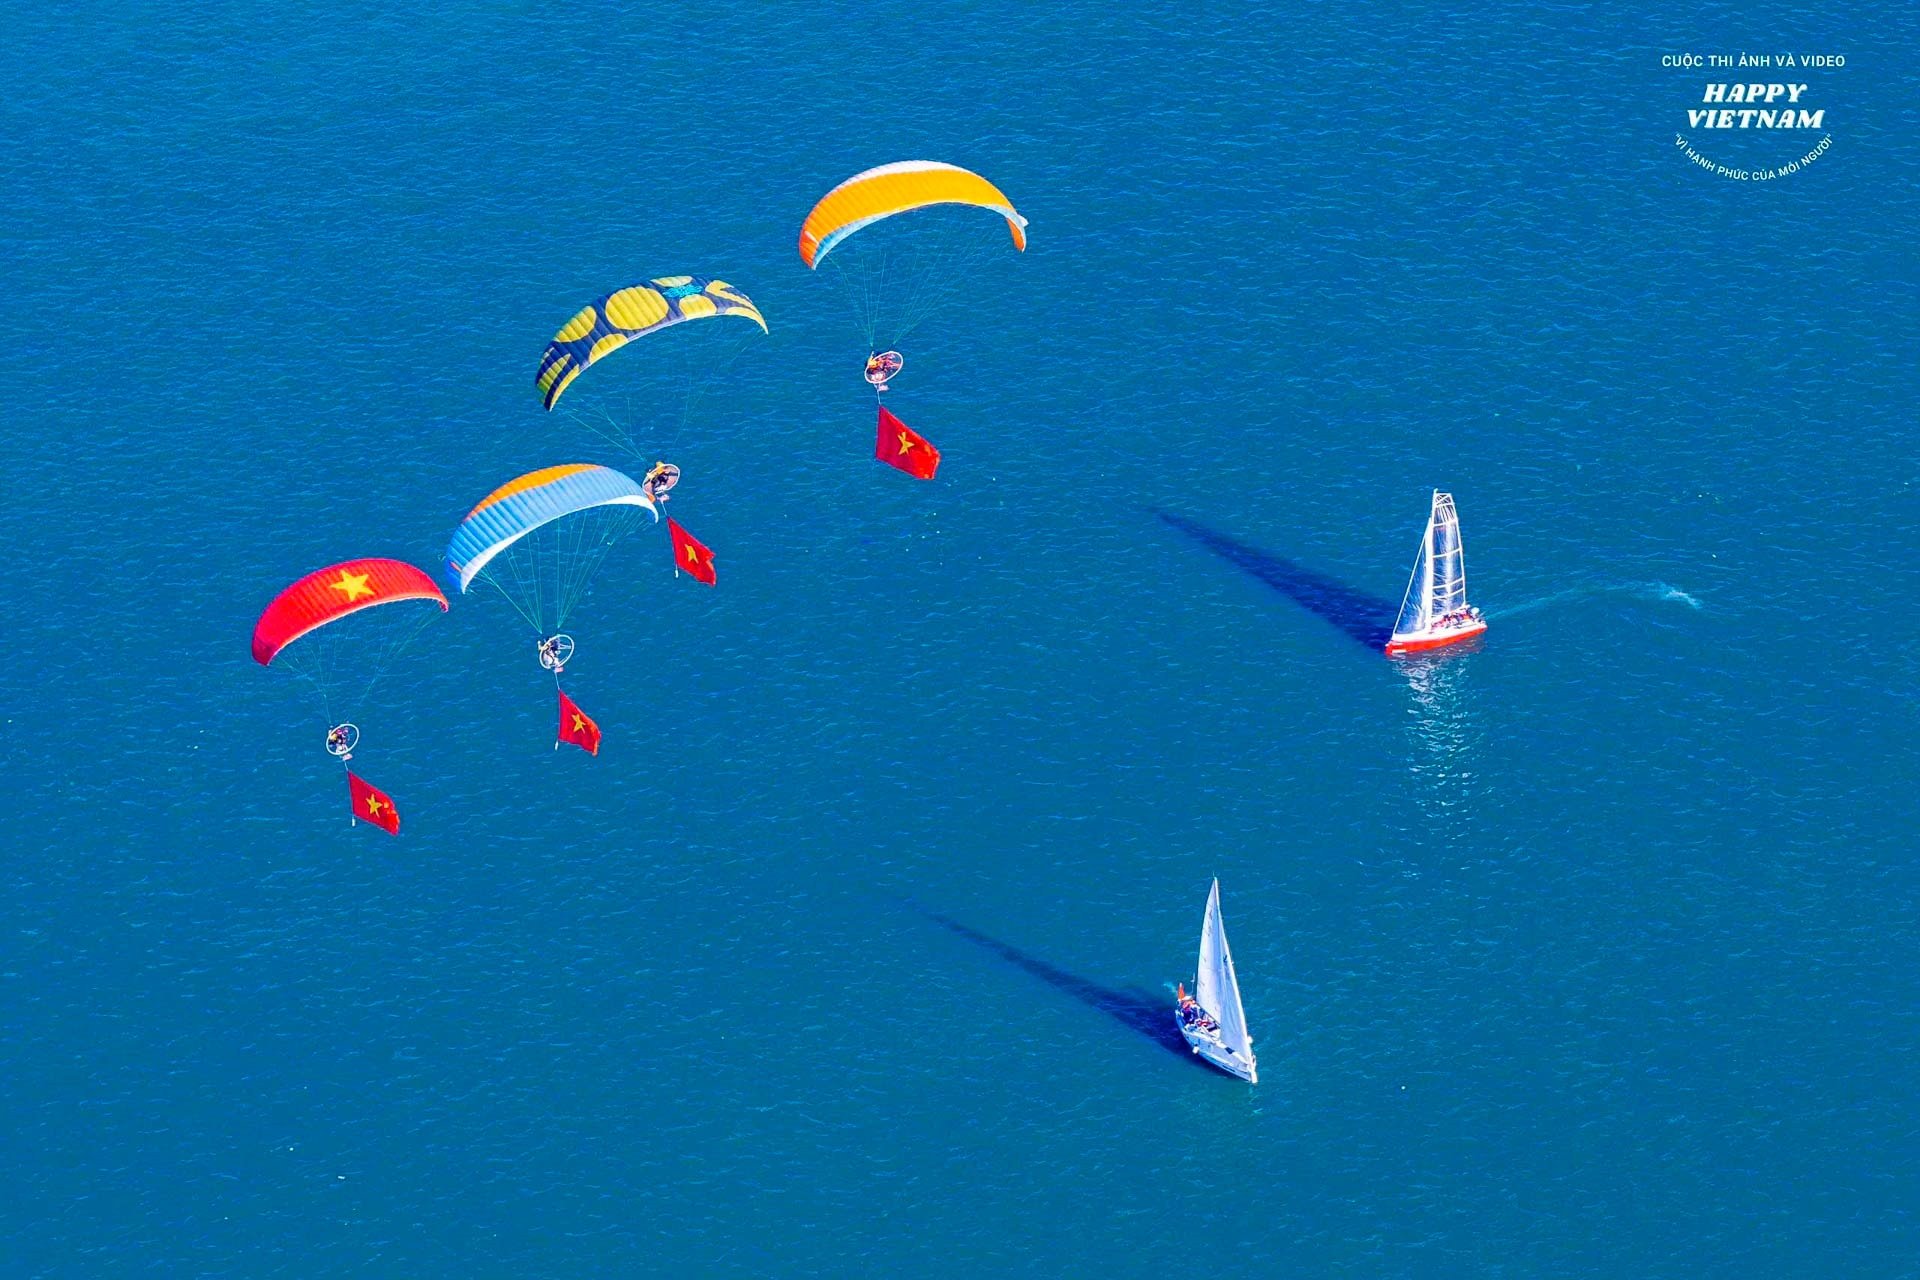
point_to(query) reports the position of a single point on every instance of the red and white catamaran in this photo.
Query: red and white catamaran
(1435, 611)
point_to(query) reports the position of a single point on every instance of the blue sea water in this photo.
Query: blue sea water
(1592, 952)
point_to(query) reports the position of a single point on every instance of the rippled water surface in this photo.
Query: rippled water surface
(1589, 952)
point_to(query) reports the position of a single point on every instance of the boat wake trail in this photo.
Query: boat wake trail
(1656, 591)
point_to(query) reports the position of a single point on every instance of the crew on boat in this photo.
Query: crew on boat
(1458, 618)
(1192, 1015)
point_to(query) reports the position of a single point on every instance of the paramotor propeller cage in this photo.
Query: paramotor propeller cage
(882, 366)
(554, 652)
(342, 739)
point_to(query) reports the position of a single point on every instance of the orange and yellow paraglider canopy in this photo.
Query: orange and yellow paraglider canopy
(866, 198)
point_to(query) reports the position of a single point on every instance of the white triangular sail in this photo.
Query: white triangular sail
(1416, 607)
(1447, 557)
(1216, 989)
(1438, 584)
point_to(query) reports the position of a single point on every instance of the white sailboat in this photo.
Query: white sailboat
(1212, 1019)
(1435, 612)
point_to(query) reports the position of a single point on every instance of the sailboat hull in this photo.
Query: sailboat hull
(1420, 641)
(1206, 1046)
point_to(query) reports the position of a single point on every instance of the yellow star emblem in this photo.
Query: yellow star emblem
(353, 584)
(375, 805)
(693, 555)
(579, 722)
(905, 444)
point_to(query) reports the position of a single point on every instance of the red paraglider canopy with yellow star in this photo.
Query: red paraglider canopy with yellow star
(334, 592)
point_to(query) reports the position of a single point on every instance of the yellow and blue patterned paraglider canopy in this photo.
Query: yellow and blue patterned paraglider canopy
(609, 323)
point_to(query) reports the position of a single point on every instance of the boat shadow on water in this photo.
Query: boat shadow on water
(1138, 1011)
(1363, 618)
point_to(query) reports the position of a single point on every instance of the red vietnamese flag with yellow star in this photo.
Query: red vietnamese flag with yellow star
(689, 553)
(901, 446)
(371, 804)
(577, 727)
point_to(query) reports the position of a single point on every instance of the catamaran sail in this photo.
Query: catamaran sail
(1435, 611)
(1225, 1043)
